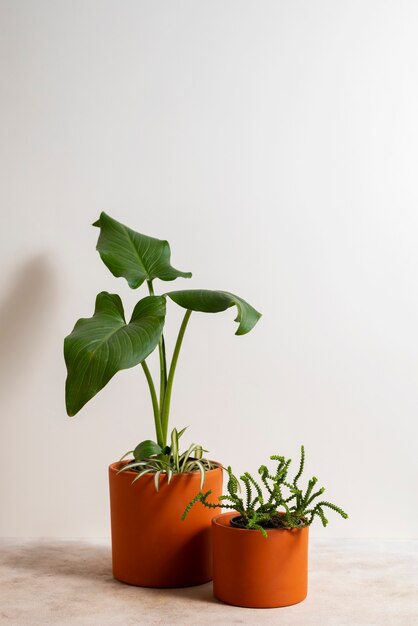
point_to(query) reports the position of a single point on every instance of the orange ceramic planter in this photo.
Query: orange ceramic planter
(151, 545)
(252, 571)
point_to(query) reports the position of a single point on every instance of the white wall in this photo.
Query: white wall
(274, 144)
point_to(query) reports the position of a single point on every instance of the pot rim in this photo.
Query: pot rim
(231, 514)
(116, 465)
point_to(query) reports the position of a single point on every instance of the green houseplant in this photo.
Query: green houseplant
(104, 344)
(260, 550)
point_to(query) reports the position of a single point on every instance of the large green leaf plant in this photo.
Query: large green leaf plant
(104, 344)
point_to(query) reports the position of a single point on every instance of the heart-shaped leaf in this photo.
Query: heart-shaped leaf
(145, 449)
(101, 345)
(209, 301)
(134, 256)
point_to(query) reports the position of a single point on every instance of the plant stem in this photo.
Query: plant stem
(162, 356)
(157, 418)
(163, 369)
(167, 398)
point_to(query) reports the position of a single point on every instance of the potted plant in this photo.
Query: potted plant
(260, 550)
(150, 545)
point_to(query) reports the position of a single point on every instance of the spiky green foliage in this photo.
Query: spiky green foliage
(150, 458)
(283, 504)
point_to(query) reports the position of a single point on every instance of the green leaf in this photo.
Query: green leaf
(181, 432)
(175, 449)
(140, 474)
(101, 345)
(199, 464)
(209, 301)
(134, 256)
(129, 466)
(157, 480)
(145, 449)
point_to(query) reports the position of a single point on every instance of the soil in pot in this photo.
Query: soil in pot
(275, 522)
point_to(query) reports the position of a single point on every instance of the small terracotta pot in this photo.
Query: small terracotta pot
(151, 545)
(252, 571)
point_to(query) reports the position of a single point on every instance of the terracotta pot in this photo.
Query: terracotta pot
(151, 545)
(252, 571)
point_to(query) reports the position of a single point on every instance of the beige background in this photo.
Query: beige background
(274, 144)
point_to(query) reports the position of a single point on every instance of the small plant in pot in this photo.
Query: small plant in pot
(260, 550)
(148, 493)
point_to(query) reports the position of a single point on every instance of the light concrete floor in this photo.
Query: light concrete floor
(362, 583)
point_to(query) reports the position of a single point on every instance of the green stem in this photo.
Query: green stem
(163, 369)
(157, 419)
(167, 398)
(162, 356)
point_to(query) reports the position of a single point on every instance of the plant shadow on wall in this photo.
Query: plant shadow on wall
(23, 316)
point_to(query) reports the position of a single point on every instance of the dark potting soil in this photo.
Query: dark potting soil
(275, 522)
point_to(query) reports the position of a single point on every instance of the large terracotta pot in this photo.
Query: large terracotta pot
(252, 571)
(151, 545)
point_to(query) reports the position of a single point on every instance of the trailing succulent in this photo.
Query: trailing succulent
(284, 505)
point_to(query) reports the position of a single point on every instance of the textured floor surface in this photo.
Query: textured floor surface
(362, 583)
